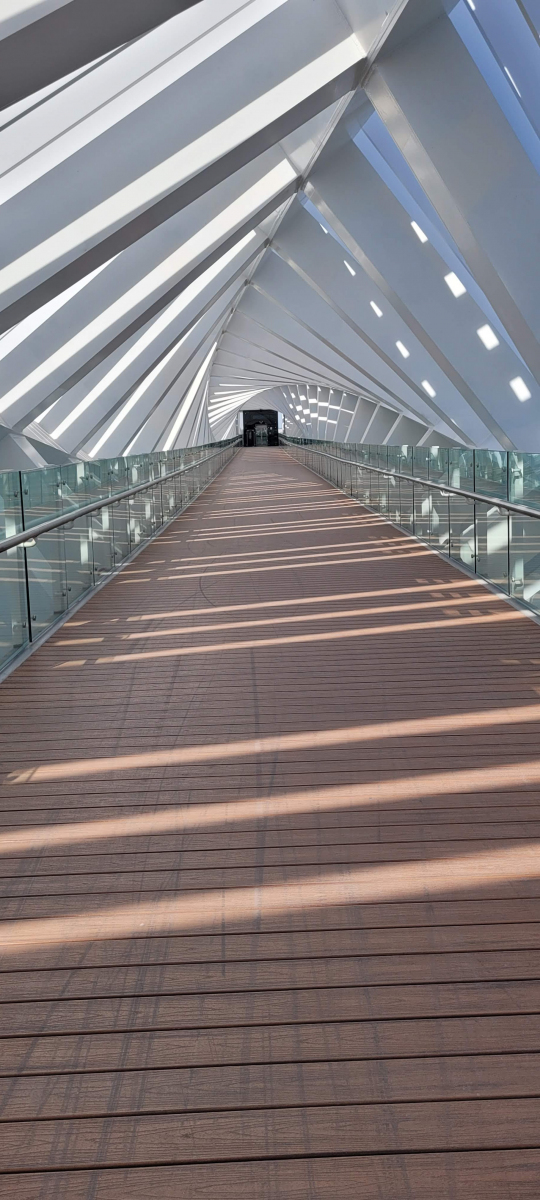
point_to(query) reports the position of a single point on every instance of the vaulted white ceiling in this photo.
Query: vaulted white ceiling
(329, 207)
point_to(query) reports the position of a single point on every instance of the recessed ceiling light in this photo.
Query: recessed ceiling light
(512, 81)
(455, 284)
(472, 5)
(323, 228)
(520, 389)
(403, 349)
(419, 232)
(488, 337)
(428, 388)
(376, 308)
(348, 266)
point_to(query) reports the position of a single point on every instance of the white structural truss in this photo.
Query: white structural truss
(326, 207)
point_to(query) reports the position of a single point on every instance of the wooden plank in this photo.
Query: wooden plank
(334, 1041)
(261, 975)
(489, 1175)
(233, 1088)
(296, 944)
(273, 1133)
(40, 1018)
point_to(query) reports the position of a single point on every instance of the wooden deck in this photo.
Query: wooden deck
(270, 910)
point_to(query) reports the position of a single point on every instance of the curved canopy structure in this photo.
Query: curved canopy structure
(329, 208)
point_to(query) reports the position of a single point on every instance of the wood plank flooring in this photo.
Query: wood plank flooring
(270, 870)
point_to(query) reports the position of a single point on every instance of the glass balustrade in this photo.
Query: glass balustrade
(475, 530)
(52, 571)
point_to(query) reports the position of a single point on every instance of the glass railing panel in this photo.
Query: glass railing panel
(406, 504)
(461, 535)
(47, 582)
(422, 511)
(10, 504)
(374, 490)
(114, 474)
(169, 496)
(524, 479)
(42, 495)
(394, 505)
(405, 460)
(14, 623)
(525, 559)
(78, 558)
(438, 463)
(492, 559)
(491, 473)
(354, 480)
(421, 462)
(364, 485)
(102, 542)
(141, 524)
(440, 520)
(81, 485)
(120, 517)
(461, 468)
(384, 493)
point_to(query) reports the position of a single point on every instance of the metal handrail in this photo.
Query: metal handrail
(522, 509)
(35, 531)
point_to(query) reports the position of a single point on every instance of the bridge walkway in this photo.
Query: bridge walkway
(270, 871)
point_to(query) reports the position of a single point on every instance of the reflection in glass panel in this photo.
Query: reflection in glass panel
(376, 483)
(421, 462)
(47, 580)
(120, 521)
(101, 537)
(461, 537)
(406, 504)
(491, 474)
(393, 499)
(78, 557)
(364, 486)
(438, 463)
(422, 511)
(42, 495)
(461, 468)
(14, 624)
(525, 560)
(492, 544)
(440, 525)
(10, 504)
(524, 479)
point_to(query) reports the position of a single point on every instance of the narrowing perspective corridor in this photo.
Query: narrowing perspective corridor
(270, 895)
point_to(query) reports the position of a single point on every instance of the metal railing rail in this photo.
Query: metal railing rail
(34, 531)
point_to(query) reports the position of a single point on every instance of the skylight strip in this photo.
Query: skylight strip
(129, 447)
(133, 400)
(422, 237)
(122, 365)
(488, 337)
(188, 399)
(519, 388)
